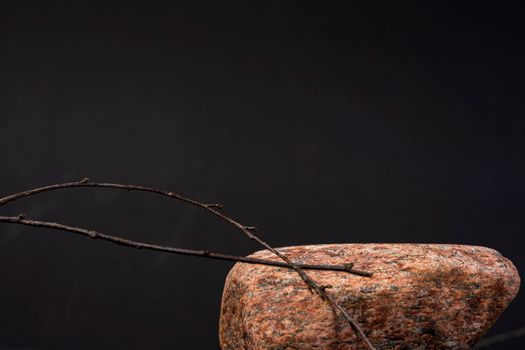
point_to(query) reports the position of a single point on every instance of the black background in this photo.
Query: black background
(333, 122)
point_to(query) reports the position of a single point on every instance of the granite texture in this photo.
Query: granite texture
(421, 296)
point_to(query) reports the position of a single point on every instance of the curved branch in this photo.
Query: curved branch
(212, 208)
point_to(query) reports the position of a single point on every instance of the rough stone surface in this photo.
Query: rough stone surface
(421, 296)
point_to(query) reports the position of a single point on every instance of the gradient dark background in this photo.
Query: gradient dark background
(335, 122)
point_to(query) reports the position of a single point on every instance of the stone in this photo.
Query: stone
(421, 296)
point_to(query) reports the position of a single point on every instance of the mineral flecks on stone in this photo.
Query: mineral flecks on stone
(421, 296)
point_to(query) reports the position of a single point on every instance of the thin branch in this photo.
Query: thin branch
(211, 207)
(498, 338)
(214, 209)
(22, 220)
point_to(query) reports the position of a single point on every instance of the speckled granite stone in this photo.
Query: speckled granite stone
(422, 296)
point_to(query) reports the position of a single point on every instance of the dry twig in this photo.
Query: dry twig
(23, 220)
(210, 207)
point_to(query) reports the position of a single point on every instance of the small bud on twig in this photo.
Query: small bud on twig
(326, 286)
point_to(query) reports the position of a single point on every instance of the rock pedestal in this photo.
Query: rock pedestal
(421, 296)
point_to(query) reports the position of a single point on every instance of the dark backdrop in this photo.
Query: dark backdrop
(334, 122)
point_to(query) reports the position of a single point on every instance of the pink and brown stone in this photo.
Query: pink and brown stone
(421, 296)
